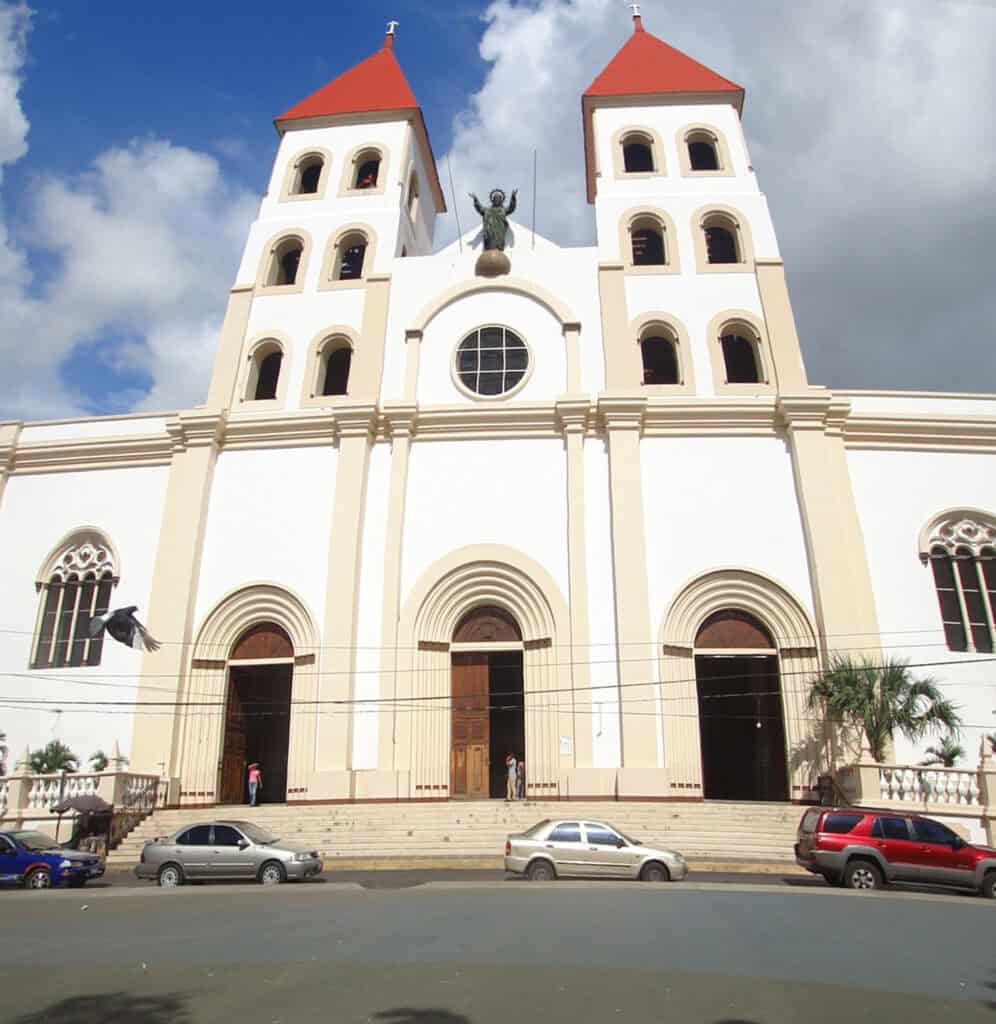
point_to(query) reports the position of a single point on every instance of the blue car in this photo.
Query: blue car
(36, 861)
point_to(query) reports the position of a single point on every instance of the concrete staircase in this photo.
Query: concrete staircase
(347, 832)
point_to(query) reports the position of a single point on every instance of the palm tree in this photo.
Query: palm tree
(99, 761)
(945, 753)
(55, 757)
(992, 741)
(881, 699)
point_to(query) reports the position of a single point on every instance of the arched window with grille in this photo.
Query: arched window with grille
(351, 255)
(265, 362)
(740, 356)
(647, 242)
(659, 352)
(961, 549)
(336, 359)
(638, 153)
(75, 585)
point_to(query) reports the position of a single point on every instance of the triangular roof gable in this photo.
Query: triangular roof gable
(377, 83)
(647, 67)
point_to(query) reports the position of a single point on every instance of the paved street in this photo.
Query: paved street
(484, 952)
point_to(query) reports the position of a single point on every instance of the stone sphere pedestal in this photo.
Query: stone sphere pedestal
(492, 263)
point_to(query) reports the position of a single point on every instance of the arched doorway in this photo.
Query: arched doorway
(487, 702)
(257, 713)
(741, 721)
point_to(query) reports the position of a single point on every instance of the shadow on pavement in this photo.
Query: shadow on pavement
(411, 1015)
(114, 1006)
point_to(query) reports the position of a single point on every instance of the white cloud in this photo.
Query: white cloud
(870, 132)
(143, 246)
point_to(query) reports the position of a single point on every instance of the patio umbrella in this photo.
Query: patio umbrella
(88, 803)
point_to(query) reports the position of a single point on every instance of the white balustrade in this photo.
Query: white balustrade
(48, 790)
(950, 787)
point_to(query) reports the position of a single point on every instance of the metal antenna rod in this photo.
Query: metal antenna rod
(535, 161)
(456, 209)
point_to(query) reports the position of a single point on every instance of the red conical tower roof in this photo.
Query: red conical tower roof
(376, 85)
(646, 66)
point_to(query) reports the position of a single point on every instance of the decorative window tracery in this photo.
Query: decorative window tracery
(961, 548)
(75, 587)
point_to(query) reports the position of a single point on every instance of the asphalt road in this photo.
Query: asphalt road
(484, 952)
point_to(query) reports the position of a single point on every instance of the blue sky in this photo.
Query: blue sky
(864, 122)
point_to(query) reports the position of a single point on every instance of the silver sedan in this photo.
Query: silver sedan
(588, 849)
(225, 850)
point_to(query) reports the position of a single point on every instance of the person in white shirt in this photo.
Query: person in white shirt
(511, 771)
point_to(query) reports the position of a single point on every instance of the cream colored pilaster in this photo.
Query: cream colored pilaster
(9, 433)
(789, 369)
(845, 600)
(573, 415)
(413, 353)
(227, 361)
(355, 425)
(368, 360)
(197, 438)
(639, 775)
(623, 370)
(572, 342)
(401, 425)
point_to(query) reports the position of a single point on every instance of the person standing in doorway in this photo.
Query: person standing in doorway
(511, 772)
(255, 784)
(520, 781)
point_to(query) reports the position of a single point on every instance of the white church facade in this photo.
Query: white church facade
(590, 511)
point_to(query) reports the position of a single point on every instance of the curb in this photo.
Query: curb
(696, 866)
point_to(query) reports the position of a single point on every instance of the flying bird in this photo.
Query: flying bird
(125, 628)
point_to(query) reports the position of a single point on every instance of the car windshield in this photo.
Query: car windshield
(37, 842)
(258, 835)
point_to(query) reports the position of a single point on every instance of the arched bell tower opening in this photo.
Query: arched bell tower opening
(741, 721)
(257, 714)
(488, 719)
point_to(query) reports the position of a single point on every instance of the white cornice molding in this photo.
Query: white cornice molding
(689, 417)
(921, 433)
(92, 453)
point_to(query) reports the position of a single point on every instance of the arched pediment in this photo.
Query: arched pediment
(517, 286)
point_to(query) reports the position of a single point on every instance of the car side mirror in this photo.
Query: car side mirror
(620, 843)
(244, 844)
(957, 843)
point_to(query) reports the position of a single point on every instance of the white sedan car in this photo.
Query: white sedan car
(588, 849)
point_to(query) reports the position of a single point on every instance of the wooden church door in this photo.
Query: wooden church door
(469, 758)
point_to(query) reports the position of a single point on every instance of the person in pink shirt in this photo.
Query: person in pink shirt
(255, 783)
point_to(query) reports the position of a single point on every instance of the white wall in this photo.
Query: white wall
(720, 502)
(897, 493)
(486, 492)
(101, 426)
(269, 520)
(36, 514)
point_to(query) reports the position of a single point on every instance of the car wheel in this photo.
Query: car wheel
(654, 872)
(862, 874)
(989, 886)
(170, 876)
(40, 878)
(540, 871)
(272, 873)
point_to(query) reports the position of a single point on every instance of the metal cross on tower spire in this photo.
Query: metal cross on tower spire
(392, 26)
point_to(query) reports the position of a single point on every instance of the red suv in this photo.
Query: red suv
(866, 849)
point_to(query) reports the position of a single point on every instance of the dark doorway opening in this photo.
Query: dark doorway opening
(507, 730)
(257, 728)
(742, 727)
